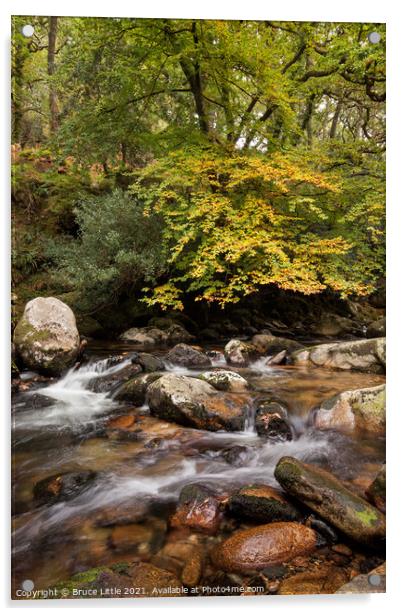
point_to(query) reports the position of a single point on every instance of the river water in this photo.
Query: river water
(140, 474)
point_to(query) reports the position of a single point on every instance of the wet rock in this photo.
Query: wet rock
(261, 503)
(148, 578)
(46, 338)
(192, 570)
(198, 509)
(360, 408)
(237, 455)
(225, 380)
(376, 329)
(135, 390)
(187, 356)
(262, 546)
(109, 383)
(325, 530)
(148, 362)
(144, 336)
(359, 355)
(177, 333)
(326, 495)
(325, 579)
(192, 402)
(376, 492)
(272, 345)
(240, 353)
(271, 422)
(63, 487)
(277, 359)
(373, 582)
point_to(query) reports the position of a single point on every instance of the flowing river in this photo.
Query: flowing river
(65, 426)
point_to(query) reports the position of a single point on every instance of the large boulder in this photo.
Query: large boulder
(46, 337)
(326, 495)
(360, 408)
(225, 380)
(185, 355)
(135, 390)
(192, 402)
(262, 546)
(359, 355)
(150, 336)
(334, 325)
(240, 353)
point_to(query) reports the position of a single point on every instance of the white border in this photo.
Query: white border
(293, 10)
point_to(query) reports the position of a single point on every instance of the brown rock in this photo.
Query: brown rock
(325, 579)
(259, 547)
(149, 579)
(198, 509)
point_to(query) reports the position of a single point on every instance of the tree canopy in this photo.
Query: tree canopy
(249, 153)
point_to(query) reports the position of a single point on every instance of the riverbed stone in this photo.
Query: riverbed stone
(261, 503)
(262, 546)
(148, 362)
(271, 421)
(225, 380)
(192, 402)
(360, 408)
(46, 337)
(240, 353)
(185, 355)
(324, 579)
(198, 509)
(377, 328)
(376, 492)
(324, 494)
(358, 355)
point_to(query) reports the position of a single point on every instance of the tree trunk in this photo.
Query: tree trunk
(51, 51)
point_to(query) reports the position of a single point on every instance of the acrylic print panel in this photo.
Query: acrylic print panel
(198, 307)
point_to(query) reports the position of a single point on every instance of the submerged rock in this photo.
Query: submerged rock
(325, 579)
(326, 495)
(376, 492)
(63, 487)
(261, 503)
(135, 390)
(46, 337)
(360, 408)
(194, 403)
(240, 353)
(225, 380)
(187, 356)
(359, 355)
(198, 509)
(262, 546)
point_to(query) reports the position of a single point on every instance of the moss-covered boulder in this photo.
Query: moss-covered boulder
(326, 495)
(358, 355)
(194, 403)
(46, 338)
(135, 390)
(262, 546)
(361, 408)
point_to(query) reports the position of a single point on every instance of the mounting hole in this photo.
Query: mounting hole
(374, 580)
(374, 37)
(28, 585)
(28, 30)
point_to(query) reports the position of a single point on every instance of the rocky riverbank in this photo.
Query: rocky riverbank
(193, 468)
